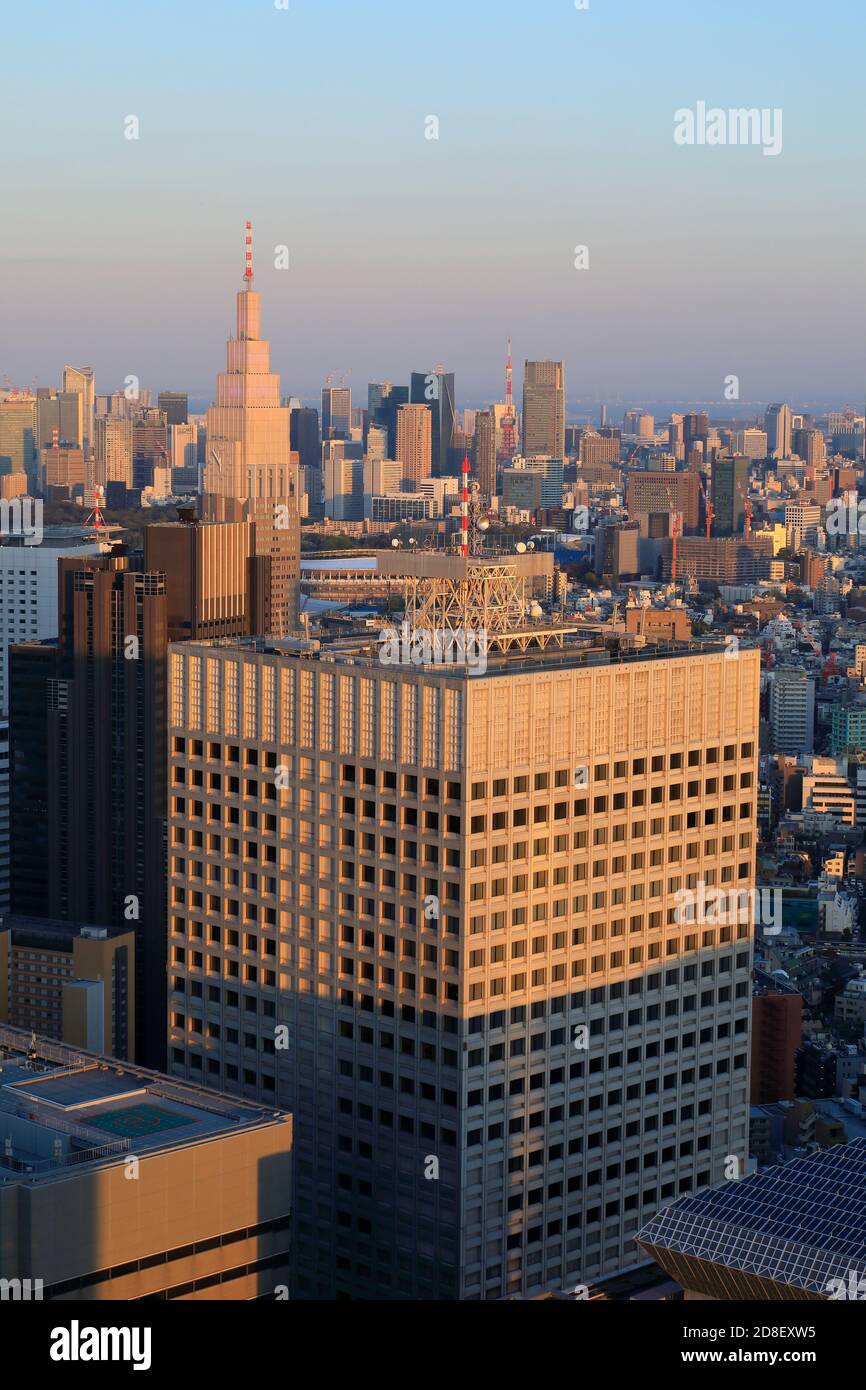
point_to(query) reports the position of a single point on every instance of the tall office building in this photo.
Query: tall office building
(113, 450)
(149, 445)
(730, 479)
(61, 467)
(336, 412)
(206, 570)
(485, 452)
(544, 409)
(507, 1046)
(792, 711)
(18, 451)
(436, 391)
(304, 436)
(810, 446)
(60, 416)
(696, 430)
(778, 426)
(750, 443)
(81, 380)
(383, 402)
(649, 492)
(415, 443)
(249, 452)
(174, 406)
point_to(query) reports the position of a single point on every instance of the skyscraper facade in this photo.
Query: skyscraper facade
(730, 492)
(506, 1047)
(485, 452)
(778, 423)
(113, 450)
(415, 442)
(18, 451)
(544, 410)
(81, 380)
(436, 391)
(336, 412)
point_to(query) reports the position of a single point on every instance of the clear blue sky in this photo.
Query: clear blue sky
(556, 129)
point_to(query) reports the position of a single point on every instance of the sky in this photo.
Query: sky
(555, 130)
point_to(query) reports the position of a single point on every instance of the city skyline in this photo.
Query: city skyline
(443, 263)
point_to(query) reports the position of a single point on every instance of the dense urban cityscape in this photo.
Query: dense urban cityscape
(432, 820)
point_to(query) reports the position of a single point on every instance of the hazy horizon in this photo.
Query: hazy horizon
(703, 262)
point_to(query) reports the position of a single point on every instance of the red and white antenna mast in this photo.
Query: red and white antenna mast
(464, 510)
(509, 420)
(248, 266)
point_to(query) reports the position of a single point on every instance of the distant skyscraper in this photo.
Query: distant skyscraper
(696, 429)
(18, 451)
(415, 442)
(384, 400)
(81, 380)
(60, 415)
(336, 412)
(778, 424)
(175, 406)
(149, 445)
(544, 410)
(436, 391)
(113, 450)
(485, 452)
(248, 435)
(304, 436)
(730, 490)
(751, 443)
(810, 446)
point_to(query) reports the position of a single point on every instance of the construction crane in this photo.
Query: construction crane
(709, 509)
(676, 532)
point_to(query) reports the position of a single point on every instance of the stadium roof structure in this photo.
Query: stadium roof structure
(787, 1233)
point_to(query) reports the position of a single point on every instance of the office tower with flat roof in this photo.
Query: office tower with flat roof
(18, 451)
(100, 766)
(70, 982)
(544, 409)
(696, 429)
(174, 406)
(59, 416)
(778, 425)
(206, 569)
(415, 443)
(436, 391)
(82, 381)
(304, 436)
(459, 888)
(249, 455)
(113, 447)
(485, 452)
(792, 711)
(810, 446)
(207, 1217)
(649, 492)
(62, 467)
(384, 401)
(336, 412)
(751, 443)
(149, 445)
(730, 484)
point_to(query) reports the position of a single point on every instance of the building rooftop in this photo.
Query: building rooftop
(60, 1108)
(799, 1227)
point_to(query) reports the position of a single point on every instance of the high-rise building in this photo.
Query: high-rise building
(149, 445)
(61, 467)
(665, 492)
(436, 391)
(28, 590)
(810, 446)
(696, 430)
(206, 570)
(18, 451)
(304, 436)
(70, 982)
(60, 416)
(336, 412)
(113, 450)
(792, 711)
(207, 1217)
(750, 443)
(544, 409)
(81, 380)
(485, 452)
(100, 767)
(730, 482)
(174, 406)
(415, 442)
(778, 425)
(249, 452)
(463, 902)
(384, 400)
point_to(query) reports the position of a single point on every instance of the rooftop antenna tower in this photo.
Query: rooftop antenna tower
(509, 419)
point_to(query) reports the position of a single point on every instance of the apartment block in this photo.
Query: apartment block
(434, 914)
